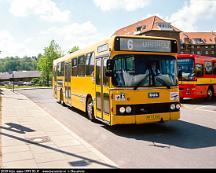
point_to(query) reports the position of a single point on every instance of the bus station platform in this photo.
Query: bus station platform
(31, 138)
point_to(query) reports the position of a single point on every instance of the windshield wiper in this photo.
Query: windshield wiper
(140, 82)
(163, 82)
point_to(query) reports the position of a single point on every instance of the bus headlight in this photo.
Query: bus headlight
(178, 106)
(172, 107)
(128, 109)
(122, 110)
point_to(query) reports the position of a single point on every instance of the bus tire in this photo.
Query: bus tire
(210, 93)
(61, 98)
(90, 109)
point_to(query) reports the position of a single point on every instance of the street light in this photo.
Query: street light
(12, 73)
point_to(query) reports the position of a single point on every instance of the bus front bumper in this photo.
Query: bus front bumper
(146, 118)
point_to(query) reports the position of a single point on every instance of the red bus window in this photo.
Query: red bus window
(208, 67)
(199, 70)
(214, 68)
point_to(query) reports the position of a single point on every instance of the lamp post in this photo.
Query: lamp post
(12, 73)
(13, 81)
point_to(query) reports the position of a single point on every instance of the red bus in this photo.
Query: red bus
(197, 76)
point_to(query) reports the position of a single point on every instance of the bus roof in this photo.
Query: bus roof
(108, 40)
(195, 56)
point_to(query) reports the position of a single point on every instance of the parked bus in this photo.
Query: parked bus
(197, 76)
(112, 81)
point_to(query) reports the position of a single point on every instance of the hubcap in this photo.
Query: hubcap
(210, 93)
(90, 109)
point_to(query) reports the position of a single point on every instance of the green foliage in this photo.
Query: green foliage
(17, 64)
(45, 61)
(74, 49)
(37, 82)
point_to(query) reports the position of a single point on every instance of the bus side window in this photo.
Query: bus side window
(62, 69)
(58, 69)
(67, 72)
(81, 65)
(98, 69)
(208, 68)
(214, 68)
(90, 63)
(105, 78)
(199, 70)
(74, 67)
(55, 73)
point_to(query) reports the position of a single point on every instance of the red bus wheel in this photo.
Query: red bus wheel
(210, 94)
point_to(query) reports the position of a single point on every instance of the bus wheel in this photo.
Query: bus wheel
(210, 93)
(90, 109)
(61, 98)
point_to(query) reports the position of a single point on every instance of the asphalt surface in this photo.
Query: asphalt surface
(187, 143)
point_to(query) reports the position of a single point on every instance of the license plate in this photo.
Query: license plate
(152, 117)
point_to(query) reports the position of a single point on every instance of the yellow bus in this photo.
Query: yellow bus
(113, 81)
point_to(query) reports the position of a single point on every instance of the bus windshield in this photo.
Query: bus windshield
(185, 68)
(144, 71)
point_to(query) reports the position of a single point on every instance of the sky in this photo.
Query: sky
(28, 26)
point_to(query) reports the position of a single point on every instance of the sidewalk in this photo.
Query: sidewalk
(31, 138)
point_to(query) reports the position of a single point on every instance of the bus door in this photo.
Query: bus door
(67, 83)
(102, 91)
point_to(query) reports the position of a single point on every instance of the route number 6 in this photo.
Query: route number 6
(130, 44)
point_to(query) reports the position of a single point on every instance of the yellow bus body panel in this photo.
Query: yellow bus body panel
(200, 81)
(147, 118)
(80, 91)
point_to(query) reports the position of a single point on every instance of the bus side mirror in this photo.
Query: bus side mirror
(109, 73)
(109, 68)
(180, 74)
(110, 65)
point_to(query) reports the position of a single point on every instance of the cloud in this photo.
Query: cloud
(11, 47)
(45, 9)
(67, 36)
(129, 5)
(193, 11)
(75, 34)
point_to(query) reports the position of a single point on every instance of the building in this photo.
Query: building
(202, 43)
(19, 76)
(152, 26)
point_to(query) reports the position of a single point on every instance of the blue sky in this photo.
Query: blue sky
(27, 26)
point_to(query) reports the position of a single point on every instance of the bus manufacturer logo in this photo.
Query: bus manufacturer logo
(174, 95)
(154, 95)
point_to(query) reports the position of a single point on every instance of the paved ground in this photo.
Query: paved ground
(186, 143)
(31, 138)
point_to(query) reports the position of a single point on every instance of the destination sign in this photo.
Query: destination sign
(103, 48)
(184, 60)
(144, 45)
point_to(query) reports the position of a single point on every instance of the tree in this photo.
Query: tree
(74, 49)
(17, 64)
(45, 61)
